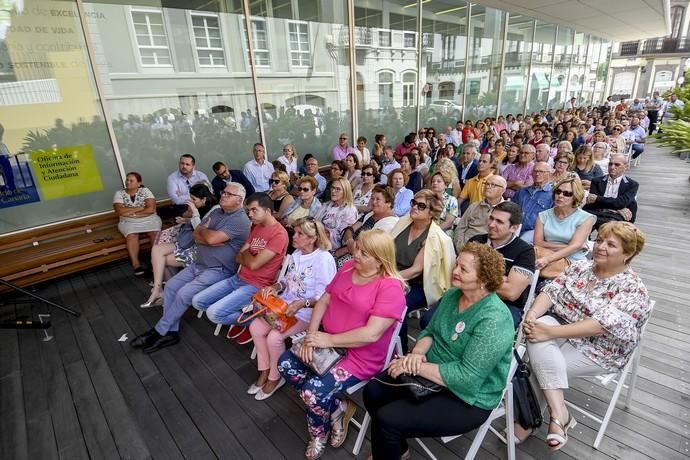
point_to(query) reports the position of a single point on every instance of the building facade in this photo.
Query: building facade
(90, 90)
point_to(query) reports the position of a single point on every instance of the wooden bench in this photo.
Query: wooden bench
(64, 248)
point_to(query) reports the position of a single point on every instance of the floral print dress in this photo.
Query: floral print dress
(620, 303)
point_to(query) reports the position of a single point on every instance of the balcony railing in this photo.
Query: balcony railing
(661, 45)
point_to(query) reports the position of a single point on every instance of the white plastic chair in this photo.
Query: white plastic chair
(504, 409)
(394, 346)
(619, 378)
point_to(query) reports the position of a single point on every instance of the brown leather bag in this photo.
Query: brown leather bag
(555, 268)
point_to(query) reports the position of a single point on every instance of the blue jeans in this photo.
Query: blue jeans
(224, 301)
(637, 150)
(179, 290)
(318, 393)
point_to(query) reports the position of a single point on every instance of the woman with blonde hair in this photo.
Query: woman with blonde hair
(584, 165)
(586, 322)
(279, 193)
(357, 312)
(309, 270)
(339, 213)
(424, 253)
(561, 232)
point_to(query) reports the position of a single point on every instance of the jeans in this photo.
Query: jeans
(637, 150)
(318, 393)
(179, 290)
(396, 416)
(224, 301)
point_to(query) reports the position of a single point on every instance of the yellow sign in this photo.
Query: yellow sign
(66, 171)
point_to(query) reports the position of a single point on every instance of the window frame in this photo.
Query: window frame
(299, 52)
(410, 86)
(389, 85)
(197, 48)
(167, 47)
(267, 51)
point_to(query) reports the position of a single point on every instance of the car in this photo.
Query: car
(445, 107)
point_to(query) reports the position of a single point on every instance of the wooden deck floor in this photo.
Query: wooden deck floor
(84, 394)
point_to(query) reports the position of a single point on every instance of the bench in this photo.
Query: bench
(61, 249)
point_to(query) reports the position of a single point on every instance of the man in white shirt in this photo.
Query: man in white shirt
(259, 170)
(613, 197)
(673, 101)
(179, 183)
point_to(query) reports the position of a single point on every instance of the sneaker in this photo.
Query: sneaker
(234, 331)
(244, 338)
(139, 271)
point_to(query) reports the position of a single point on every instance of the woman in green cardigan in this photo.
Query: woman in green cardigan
(466, 349)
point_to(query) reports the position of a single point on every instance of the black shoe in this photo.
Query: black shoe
(139, 271)
(145, 339)
(171, 338)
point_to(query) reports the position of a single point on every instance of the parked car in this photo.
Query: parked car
(445, 107)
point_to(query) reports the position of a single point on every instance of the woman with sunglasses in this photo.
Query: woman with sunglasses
(339, 213)
(616, 139)
(381, 216)
(562, 231)
(279, 194)
(362, 193)
(358, 312)
(309, 270)
(562, 165)
(424, 253)
(306, 203)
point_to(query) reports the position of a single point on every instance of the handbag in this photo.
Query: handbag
(272, 309)
(420, 388)
(323, 359)
(553, 269)
(528, 413)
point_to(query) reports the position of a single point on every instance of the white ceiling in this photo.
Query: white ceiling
(617, 20)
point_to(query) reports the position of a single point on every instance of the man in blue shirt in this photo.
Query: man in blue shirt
(636, 134)
(225, 175)
(534, 199)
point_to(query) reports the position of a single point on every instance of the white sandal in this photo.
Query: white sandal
(560, 439)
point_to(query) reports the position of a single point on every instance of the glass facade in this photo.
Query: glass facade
(92, 90)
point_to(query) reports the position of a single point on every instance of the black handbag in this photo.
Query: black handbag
(527, 411)
(420, 388)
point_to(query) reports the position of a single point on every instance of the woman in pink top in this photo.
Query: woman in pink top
(358, 311)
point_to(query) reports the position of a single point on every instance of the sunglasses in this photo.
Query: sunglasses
(275, 181)
(565, 193)
(416, 204)
(304, 189)
(367, 174)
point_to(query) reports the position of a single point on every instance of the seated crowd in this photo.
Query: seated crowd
(396, 229)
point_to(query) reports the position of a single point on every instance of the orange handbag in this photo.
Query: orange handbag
(272, 309)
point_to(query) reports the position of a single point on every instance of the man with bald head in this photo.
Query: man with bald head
(475, 218)
(535, 198)
(612, 197)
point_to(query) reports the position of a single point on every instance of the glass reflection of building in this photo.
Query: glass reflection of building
(142, 82)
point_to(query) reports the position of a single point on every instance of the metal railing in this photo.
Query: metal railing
(659, 45)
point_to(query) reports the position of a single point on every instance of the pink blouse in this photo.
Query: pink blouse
(350, 308)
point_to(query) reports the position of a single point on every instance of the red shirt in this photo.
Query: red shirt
(273, 238)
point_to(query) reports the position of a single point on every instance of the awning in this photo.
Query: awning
(539, 81)
(514, 83)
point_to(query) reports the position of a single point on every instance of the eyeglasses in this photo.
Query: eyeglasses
(367, 174)
(540, 171)
(343, 138)
(304, 189)
(275, 181)
(565, 193)
(616, 129)
(491, 185)
(416, 204)
(312, 164)
(224, 193)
